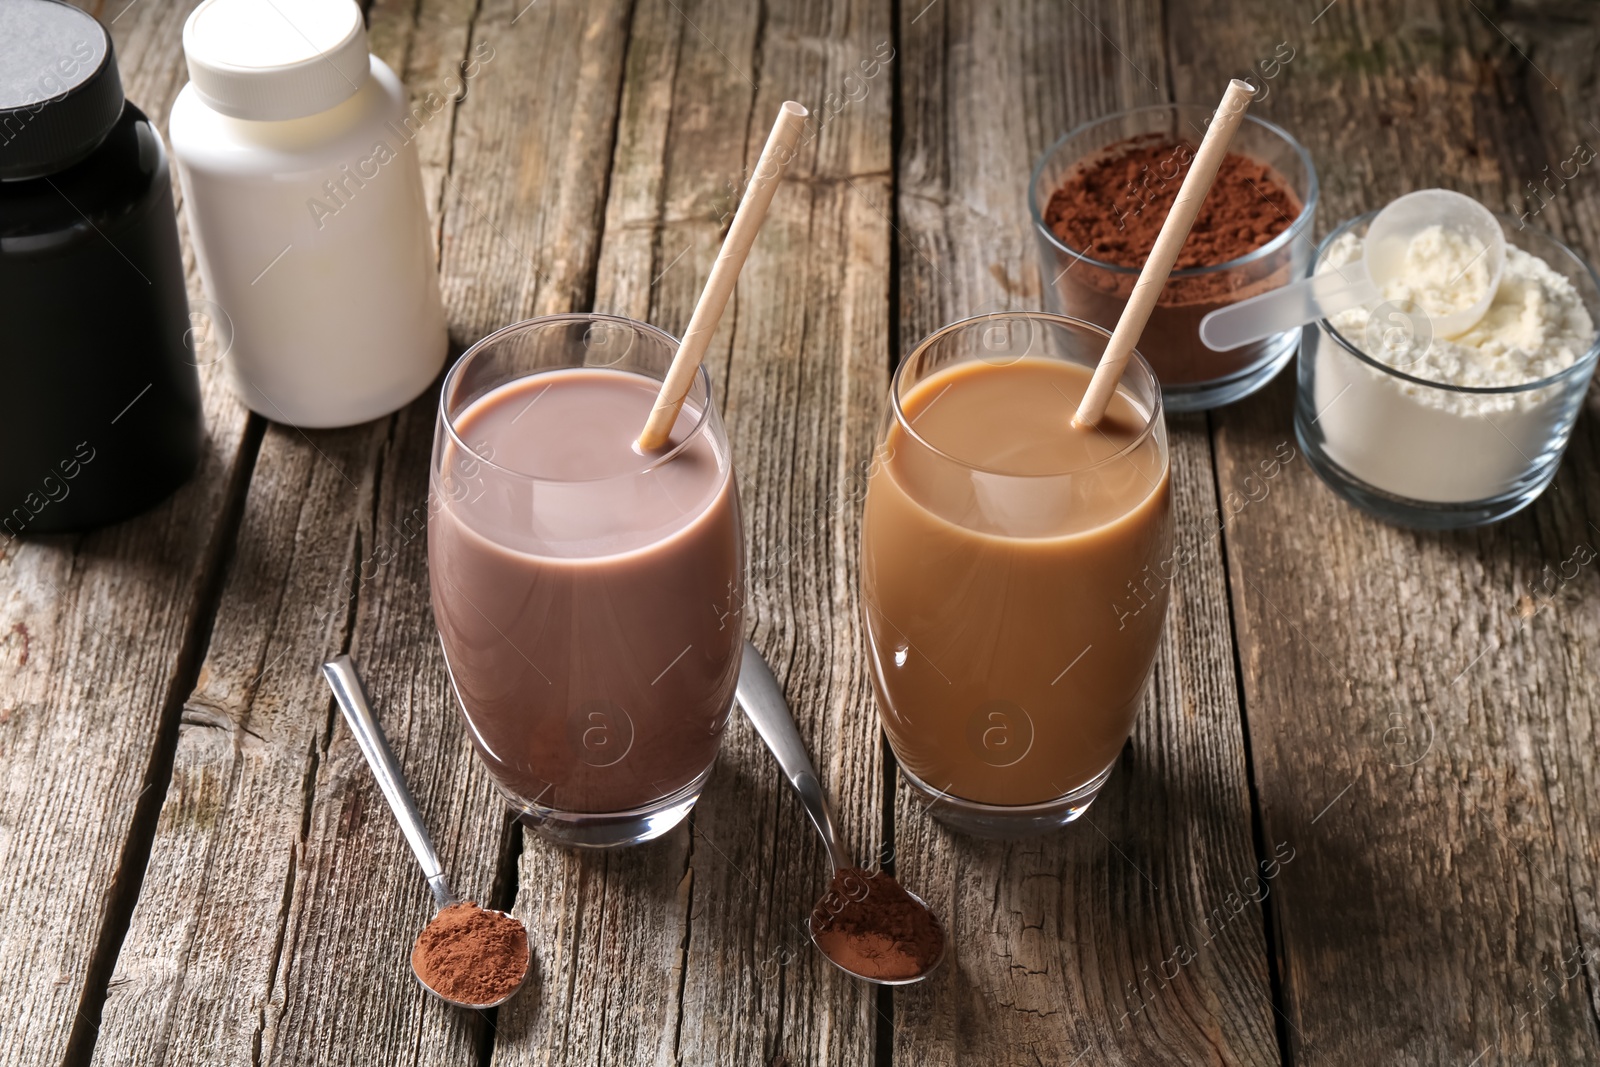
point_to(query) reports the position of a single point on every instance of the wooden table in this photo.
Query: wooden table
(197, 868)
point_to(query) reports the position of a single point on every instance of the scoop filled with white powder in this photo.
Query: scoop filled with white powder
(1420, 424)
(1444, 271)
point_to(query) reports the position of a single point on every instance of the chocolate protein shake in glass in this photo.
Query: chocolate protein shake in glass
(587, 594)
(998, 548)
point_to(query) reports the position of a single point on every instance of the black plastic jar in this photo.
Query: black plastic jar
(100, 412)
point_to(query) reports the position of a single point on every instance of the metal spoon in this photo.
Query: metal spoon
(762, 700)
(347, 690)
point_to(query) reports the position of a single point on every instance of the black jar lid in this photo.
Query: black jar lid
(59, 89)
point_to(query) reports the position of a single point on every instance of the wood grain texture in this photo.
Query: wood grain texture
(98, 635)
(281, 900)
(194, 981)
(525, 193)
(342, 985)
(1418, 718)
(690, 950)
(1066, 949)
(1422, 707)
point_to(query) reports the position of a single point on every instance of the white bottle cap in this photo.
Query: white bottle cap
(271, 60)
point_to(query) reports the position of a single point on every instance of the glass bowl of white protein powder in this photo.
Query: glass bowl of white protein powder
(1439, 432)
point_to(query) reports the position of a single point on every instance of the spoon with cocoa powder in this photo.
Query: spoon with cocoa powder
(468, 956)
(866, 924)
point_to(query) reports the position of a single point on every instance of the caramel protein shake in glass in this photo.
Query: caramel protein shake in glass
(999, 544)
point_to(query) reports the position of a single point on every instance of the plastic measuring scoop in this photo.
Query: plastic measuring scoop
(1361, 282)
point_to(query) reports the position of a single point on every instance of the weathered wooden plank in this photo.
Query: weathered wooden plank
(431, 46)
(690, 950)
(342, 987)
(100, 638)
(536, 129)
(1066, 948)
(1422, 707)
(195, 976)
(1423, 928)
(281, 902)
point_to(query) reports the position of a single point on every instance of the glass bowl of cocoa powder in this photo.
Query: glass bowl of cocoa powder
(1098, 198)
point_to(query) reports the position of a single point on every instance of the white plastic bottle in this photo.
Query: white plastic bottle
(304, 199)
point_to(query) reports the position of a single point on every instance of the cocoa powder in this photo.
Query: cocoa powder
(869, 925)
(470, 954)
(1110, 208)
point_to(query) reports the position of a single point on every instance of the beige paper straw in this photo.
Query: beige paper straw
(1174, 231)
(724, 274)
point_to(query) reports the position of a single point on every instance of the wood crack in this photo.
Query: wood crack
(316, 751)
(686, 892)
(605, 996)
(205, 715)
(129, 877)
(575, 942)
(503, 897)
(883, 1038)
(585, 300)
(308, 789)
(450, 130)
(1277, 968)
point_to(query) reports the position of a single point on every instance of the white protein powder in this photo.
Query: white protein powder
(1439, 445)
(1442, 271)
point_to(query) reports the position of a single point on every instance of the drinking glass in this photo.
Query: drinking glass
(1193, 377)
(1429, 454)
(1013, 619)
(591, 624)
